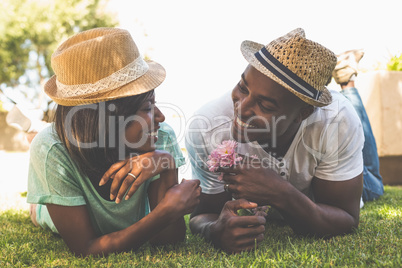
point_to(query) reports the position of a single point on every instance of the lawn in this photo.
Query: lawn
(377, 243)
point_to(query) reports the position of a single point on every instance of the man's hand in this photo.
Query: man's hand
(336, 210)
(252, 181)
(234, 233)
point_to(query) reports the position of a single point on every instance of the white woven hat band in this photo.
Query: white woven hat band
(129, 73)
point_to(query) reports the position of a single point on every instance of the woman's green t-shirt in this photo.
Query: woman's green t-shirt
(54, 178)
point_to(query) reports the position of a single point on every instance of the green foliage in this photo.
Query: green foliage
(30, 30)
(376, 243)
(395, 63)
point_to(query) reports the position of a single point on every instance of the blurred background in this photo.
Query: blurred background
(198, 42)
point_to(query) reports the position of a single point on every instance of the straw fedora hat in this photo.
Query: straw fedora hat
(99, 65)
(300, 65)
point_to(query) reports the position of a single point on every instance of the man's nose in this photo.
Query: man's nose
(246, 107)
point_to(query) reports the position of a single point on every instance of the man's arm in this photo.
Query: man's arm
(335, 211)
(207, 212)
(216, 219)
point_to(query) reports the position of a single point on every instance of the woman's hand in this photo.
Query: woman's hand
(183, 198)
(142, 166)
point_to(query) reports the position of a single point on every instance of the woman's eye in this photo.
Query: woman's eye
(148, 108)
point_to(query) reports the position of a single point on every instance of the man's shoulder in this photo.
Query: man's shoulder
(340, 110)
(337, 121)
(210, 124)
(213, 114)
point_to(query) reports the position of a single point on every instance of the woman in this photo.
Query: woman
(108, 158)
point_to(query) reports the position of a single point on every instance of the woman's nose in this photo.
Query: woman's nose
(159, 116)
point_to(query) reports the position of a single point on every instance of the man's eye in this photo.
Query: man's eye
(265, 109)
(242, 88)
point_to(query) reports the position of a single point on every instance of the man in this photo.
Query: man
(305, 142)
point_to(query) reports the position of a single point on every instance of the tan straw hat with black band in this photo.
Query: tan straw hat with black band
(300, 65)
(99, 65)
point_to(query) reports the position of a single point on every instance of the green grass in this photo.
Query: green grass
(377, 243)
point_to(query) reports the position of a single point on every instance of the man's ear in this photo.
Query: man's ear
(305, 112)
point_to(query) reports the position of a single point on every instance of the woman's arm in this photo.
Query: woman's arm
(176, 231)
(144, 167)
(74, 225)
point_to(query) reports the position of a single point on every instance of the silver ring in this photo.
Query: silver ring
(226, 187)
(132, 175)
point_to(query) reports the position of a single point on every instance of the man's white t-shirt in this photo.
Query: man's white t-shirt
(328, 145)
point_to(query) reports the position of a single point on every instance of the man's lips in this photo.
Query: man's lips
(243, 124)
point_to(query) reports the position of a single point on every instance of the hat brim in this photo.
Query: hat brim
(249, 48)
(150, 80)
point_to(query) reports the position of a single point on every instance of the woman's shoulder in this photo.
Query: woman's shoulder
(47, 135)
(167, 141)
(45, 140)
(166, 130)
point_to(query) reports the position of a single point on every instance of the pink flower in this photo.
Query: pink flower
(223, 156)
